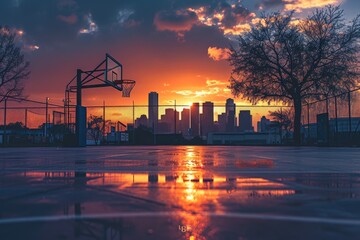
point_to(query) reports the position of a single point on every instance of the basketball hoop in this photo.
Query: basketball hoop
(126, 85)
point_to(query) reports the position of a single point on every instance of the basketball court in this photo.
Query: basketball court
(180, 192)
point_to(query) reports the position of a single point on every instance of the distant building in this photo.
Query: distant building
(195, 120)
(221, 122)
(153, 110)
(169, 120)
(141, 121)
(185, 121)
(230, 115)
(263, 124)
(245, 121)
(207, 123)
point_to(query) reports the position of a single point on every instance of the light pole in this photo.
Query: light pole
(4, 136)
(46, 117)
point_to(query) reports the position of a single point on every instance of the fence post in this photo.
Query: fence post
(281, 125)
(174, 116)
(308, 121)
(5, 109)
(104, 123)
(336, 122)
(46, 117)
(26, 117)
(349, 105)
(133, 107)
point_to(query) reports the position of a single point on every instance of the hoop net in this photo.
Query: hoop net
(126, 86)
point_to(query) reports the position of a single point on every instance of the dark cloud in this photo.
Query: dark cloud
(177, 21)
(234, 15)
(271, 3)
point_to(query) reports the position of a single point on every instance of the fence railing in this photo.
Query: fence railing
(334, 120)
(331, 121)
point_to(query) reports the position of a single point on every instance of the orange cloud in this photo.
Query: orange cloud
(298, 5)
(213, 82)
(230, 19)
(237, 29)
(218, 54)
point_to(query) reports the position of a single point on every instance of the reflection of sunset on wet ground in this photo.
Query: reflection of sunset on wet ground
(179, 193)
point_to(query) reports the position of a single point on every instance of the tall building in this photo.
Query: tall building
(263, 125)
(153, 109)
(195, 120)
(141, 121)
(230, 115)
(222, 122)
(169, 120)
(185, 121)
(207, 123)
(245, 121)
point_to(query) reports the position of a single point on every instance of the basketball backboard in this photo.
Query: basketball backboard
(113, 70)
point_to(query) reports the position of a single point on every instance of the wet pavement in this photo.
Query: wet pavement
(185, 192)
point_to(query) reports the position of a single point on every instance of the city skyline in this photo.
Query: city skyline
(199, 119)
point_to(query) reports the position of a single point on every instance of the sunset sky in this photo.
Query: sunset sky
(176, 48)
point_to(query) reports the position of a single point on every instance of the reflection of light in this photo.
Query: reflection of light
(190, 197)
(190, 191)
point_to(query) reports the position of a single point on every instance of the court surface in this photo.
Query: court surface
(180, 192)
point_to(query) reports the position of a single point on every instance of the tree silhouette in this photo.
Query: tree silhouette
(285, 119)
(95, 125)
(13, 67)
(294, 61)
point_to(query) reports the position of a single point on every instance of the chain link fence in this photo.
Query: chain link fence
(332, 121)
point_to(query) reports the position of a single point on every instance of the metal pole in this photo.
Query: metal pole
(336, 121)
(104, 120)
(78, 106)
(174, 116)
(5, 109)
(78, 87)
(46, 117)
(349, 103)
(133, 122)
(68, 120)
(328, 121)
(26, 117)
(281, 125)
(308, 120)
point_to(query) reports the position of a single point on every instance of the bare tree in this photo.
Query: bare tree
(285, 119)
(13, 67)
(95, 124)
(290, 61)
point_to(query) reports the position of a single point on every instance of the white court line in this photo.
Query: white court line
(263, 157)
(252, 216)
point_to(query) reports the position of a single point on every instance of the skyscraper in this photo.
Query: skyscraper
(222, 122)
(245, 121)
(185, 121)
(230, 115)
(153, 109)
(263, 124)
(141, 121)
(207, 122)
(168, 121)
(195, 117)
